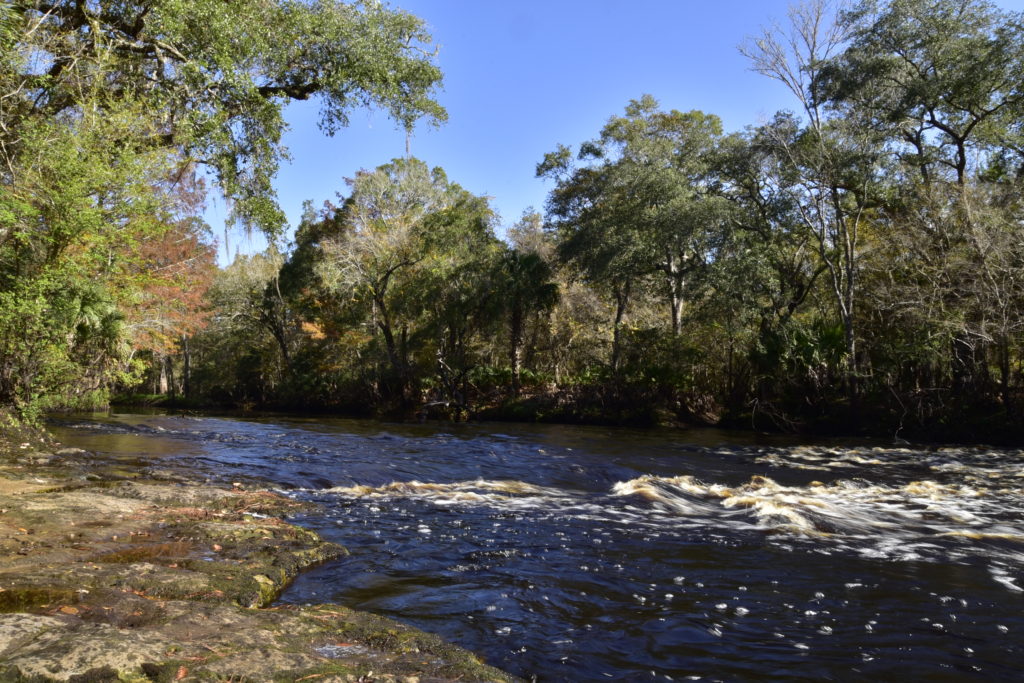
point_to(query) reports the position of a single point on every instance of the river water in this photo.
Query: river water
(589, 554)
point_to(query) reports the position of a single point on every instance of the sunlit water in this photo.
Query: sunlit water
(579, 554)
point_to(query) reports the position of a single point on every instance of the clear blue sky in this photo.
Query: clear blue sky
(523, 76)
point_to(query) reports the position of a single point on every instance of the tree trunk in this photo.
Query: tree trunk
(677, 308)
(163, 385)
(962, 363)
(853, 383)
(186, 368)
(516, 346)
(171, 387)
(1004, 374)
(384, 325)
(621, 293)
(676, 285)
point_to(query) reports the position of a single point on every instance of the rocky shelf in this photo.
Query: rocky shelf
(107, 578)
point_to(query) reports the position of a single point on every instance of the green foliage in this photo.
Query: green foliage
(856, 262)
(213, 79)
(382, 297)
(57, 344)
(107, 111)
(644, 210)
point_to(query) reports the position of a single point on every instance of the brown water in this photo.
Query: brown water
(579, 554)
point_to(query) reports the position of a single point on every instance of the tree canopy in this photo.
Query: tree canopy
(107, 109)
(854, 260)
(210, 79)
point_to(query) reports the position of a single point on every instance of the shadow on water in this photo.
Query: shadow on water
(587, 553)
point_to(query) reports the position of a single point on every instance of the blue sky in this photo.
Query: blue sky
(524, 76)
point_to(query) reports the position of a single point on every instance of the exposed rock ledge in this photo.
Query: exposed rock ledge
(104, 580)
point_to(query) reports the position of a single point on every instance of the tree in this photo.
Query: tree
(941, 79)
(645, 207)
(562, 334)
(245, 350)
(832, 163)
(459, 291)
(165, 266)
(383, 236)
(940, 82)
(764, 272)
(594, 234)
(404, 245)
(68, 201)
(526, 286)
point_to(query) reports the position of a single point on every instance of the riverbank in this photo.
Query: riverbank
(106, 577)
(994, 427)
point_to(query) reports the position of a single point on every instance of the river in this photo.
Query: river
(589, 554)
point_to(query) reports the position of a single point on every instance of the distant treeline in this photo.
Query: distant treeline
(856, 264)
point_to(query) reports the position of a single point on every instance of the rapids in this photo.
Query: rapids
(588, 554)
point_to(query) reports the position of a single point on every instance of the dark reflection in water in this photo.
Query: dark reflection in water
(578, 554)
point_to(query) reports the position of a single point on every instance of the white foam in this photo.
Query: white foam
(973, 508)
